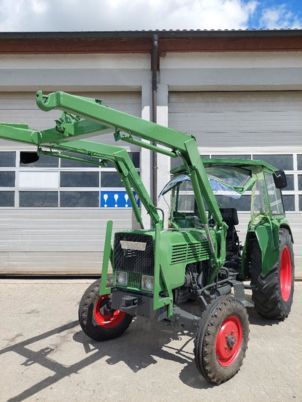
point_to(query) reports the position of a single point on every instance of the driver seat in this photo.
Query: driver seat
(230, 217)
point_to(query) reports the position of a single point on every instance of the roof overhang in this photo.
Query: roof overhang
(141, 41)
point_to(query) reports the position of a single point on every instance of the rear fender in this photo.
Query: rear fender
(267, 234)
(287, 227)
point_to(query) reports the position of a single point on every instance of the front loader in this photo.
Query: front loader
(154, 272)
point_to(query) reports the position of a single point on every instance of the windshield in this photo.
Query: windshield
(229, 175)
(224, 180)
(228, 183)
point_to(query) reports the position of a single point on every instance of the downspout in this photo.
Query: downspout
(154, 72)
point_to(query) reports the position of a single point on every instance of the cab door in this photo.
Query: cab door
(267, 210)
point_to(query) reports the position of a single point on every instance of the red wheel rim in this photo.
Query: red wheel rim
(104, 316)
(229, 340)
(285, 274)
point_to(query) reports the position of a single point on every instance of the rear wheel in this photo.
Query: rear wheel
(273, 293)
(221, 340)
(97, 319)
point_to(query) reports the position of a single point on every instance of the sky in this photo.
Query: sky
(112, 15)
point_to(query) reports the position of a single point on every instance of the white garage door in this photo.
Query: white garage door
(257, 125)
(52, 216)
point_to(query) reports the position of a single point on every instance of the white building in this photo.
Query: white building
(238, 92)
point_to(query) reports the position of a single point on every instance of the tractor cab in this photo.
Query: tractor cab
(228, 183)
(239, 185)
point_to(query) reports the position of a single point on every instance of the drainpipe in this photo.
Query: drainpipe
(154, 71)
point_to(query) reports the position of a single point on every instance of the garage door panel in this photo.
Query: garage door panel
(58, 263)
(228, 101)
(22, 108)
(49, 231)
(226, 119)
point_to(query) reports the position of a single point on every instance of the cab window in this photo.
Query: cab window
(274, 195)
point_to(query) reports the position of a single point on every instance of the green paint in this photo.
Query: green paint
(104, 290)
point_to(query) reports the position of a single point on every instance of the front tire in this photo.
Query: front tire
(221, 340)
(96, 317)
(273, 293)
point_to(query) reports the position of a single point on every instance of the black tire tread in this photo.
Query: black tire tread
(85, 313)
(204, 350)
(266, 292)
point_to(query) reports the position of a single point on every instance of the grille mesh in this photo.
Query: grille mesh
(134, 261)
(134, 280)
(193, 252)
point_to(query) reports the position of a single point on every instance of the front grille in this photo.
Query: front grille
(190, 253)
(134, 280)
(139, 261)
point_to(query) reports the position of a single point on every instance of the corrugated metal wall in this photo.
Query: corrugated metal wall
(245, 120)
(55, 241)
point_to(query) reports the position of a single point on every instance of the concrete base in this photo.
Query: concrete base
(45, 356)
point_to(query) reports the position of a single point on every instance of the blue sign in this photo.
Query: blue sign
(116, 199)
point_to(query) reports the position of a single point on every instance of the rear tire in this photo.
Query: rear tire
(221, 340)
(96, 317)
(273, 293)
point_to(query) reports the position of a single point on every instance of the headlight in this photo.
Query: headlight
(147, 282)
(109, 283)
(121, 278)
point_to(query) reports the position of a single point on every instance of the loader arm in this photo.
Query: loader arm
(99, 154)
(83, 117)
(130, 129)
(123, 164)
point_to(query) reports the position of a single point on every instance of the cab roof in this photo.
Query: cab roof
(244, 163)
(240, 162)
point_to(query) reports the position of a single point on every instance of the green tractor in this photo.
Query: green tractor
(152, 273)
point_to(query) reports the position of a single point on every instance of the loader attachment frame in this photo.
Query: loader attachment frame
(83, 117)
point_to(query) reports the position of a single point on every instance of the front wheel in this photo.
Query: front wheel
(221, 340)
(97, 319)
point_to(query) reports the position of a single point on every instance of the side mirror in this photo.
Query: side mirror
(28, 157)
(280, 179)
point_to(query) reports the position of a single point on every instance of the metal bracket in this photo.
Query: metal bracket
(240, 294)
(185, 319)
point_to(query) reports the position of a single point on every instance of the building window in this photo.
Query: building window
(290, 182)
(7, 199)
(7, 159)
(79, 179)
(299, 162)
(38, 199)
(79, 199)
(289, 202)
(70, 163)
(38, 180)
(135, 156)
(239, 156)
(7, 179)
(111, 179)
(44, 161)
(281, 161)
(52, 182)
